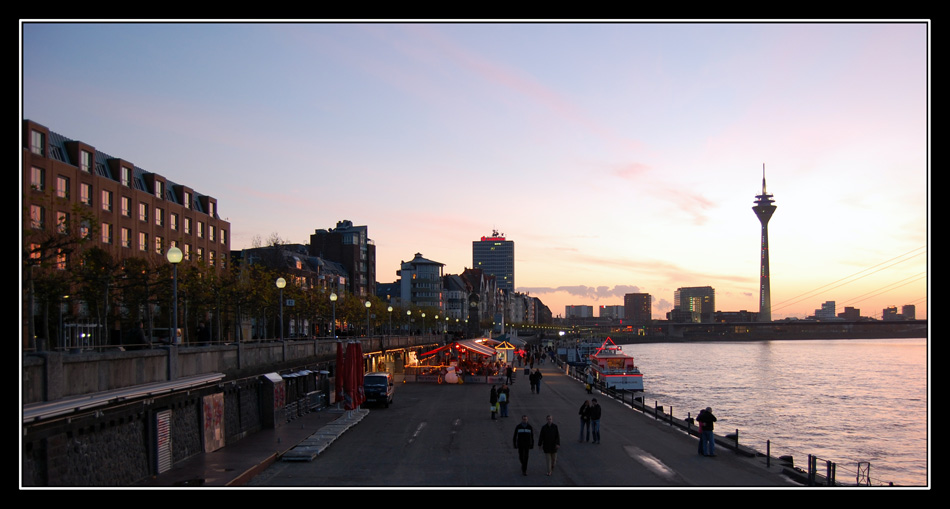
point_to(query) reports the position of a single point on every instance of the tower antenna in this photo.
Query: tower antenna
(764, 209)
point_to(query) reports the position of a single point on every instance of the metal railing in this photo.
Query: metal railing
(810, 476)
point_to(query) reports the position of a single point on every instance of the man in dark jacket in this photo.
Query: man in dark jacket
(549, 440)
(594, 421)
(524, 442)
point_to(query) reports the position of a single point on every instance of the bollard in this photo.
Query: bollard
(768, 454)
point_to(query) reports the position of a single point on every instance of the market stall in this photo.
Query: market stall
(467, 360)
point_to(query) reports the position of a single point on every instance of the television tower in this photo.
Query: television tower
(763, 210)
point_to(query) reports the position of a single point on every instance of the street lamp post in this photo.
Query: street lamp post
(281, 283)
(368, 305)
(390, 309)
(423, 324)
(174, 257)
(333, 298)
(409, 321)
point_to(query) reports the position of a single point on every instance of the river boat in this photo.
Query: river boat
(577, 355)
(615, 368)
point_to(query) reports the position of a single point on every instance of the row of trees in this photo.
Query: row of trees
(68, 279)
(240, 303)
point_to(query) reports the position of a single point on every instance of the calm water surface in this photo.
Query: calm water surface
(841, 400)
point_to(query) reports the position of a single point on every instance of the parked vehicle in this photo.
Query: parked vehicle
(379, 387)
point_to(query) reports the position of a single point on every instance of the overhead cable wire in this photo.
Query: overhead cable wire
(856, 276)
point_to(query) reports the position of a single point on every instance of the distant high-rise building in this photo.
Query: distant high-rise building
(496, 257)
(351, 247)
(850, 313)
(637, 308)
(763, 210)
(578, 311)
(909, 312)
(612, 312)
(890, 313)
(827, 311)
(699, 300)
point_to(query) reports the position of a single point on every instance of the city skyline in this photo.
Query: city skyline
(621, 158)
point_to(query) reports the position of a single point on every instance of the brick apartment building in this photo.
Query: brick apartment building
(72, 189)
(138, 213)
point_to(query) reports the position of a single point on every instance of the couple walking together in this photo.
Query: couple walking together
(590, 421)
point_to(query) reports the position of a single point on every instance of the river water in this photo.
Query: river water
(846, 401)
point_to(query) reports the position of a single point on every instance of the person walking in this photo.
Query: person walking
(549, 440)
(503, 400)
(706, 418)
(584, 413)
(493, 400)
(595, 421)
(508, 373)
(590, 381)
(537, 381)
(523, 440)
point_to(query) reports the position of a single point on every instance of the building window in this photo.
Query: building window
(38, 179)
(84, 229)
(62, 222)
(126, 176)
(187, 252)
(187, 200)
(224, 236)
(201, 229)
(126, 240)
(159, 245)
(159, 189)
(173, 221)
(37, 217)
(62, 186)
(107, 200)
(211, 232)
(36, 142)
(187, 226)
(159, 217)
(211, 209)
(143, 241)
(85, 194)
(211, 258)
(85, 161)
(60, 260)
(106, 233)
(201, 253)
(125, 205)
(143, 211)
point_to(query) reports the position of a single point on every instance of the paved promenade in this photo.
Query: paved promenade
(442, 436)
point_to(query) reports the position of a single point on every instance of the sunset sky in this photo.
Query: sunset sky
(619, 157)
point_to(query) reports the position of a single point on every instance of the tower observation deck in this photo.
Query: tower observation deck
(763, 210)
